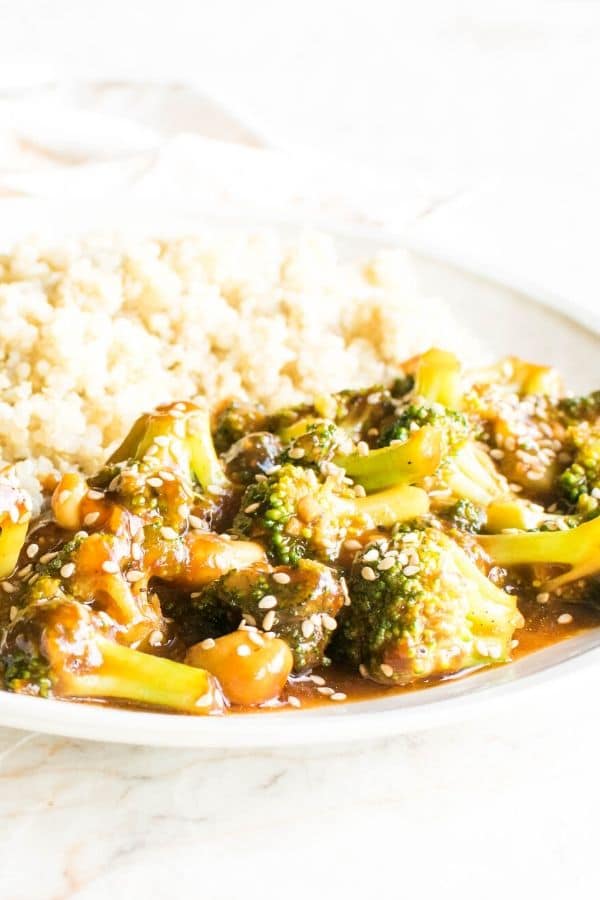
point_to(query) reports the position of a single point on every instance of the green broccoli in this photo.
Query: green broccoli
(295, 512)
(578, 548)
(585, 408)
(466, 516)
(406, 421)
(62, 648)
(579, 484)
(298, 604)
(406, 463)
(422, 609)
(233, 420)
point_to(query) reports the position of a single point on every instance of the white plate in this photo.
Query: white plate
(511, 322)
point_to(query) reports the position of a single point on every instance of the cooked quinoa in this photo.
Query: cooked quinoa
(95, 331)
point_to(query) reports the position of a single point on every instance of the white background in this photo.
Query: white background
(497, 102)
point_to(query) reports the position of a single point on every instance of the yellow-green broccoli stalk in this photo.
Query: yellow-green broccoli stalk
(15, 513)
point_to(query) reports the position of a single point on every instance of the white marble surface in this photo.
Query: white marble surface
(452, 94)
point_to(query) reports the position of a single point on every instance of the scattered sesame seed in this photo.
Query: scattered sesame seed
(196, 522)
(243, 650)
(359, 491)
(386, 670)
(496, 453)
(162, 440)
(363, 671)
(294, 701)
(95, 495)
(327, 691)
(13, 613)
(386, 563)
(110, 566)
(410, 570)
(207, 644)
(155, 638)
(134, 575)
(371, 555)
(255, 637)
(195, 594)
(155, 482)
(362, 448)
(32, 550)
(296, 453)
(251, 508)
(90, 518)
(267, 602)
(317, 679)
(67, 570)
(64, 496)
(8, 588)
(136, 552)
(514, 644)
(352, 544)
(338, 696)
(47, 557)
(372, 399)
(565, 619)
(168, 533)
(543, 597)
(269, 620)
(367, 573)
(281, 577)
(25, 571)
(307, 628)
(329, 622)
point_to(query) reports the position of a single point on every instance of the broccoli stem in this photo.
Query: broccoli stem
(129, 675)
(397, 464)
(15, 514)
(398, 504)
(438, 378)
(472, 475)
(578, 548)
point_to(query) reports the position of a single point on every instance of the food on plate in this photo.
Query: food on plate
(262, 556)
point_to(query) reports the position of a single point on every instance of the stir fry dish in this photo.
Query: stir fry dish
(375, 539)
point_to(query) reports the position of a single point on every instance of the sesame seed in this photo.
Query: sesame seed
(32, 550)
(90, 518)
(363, 671)
(64, 496)
(8, 588)
(281, 577)
(514, 644)
(294, 701)
(255, 637)
(110, 566)
(155, 639)
(371, 555)
(351, 544)
(269, 620)
(372, 399)
(25, 571)
(208, 644)
(95, 495)
(307, 628)
(496, 453)
(196, 522)
(204, 700)
(195, 594)
(386, 563)
(329, 622)
(565, 619)
(162, 440)
(386, 670)
(134, 575)
(267, 602)
(327, 691)
(362, 448)
(317, 679)
(67, 570)
(155, 482)
(543, 597)
(243, 650)
(136, 552)
(296, 453)
(214, 489)
(47, 557)
(339, 696)
(410, 570)
(251, 508)
(359, 491)
(368, 574)
(168, 533)
(13, 613)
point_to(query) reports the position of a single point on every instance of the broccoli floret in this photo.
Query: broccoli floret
(401, 427)
(298, 604)
(295, 512)
(233, 420)
(421, 608)
(314, 446)
(580, 409)
(577, 547)
(62, 648)
(469, 474)
(466, 516)
(579, 484)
